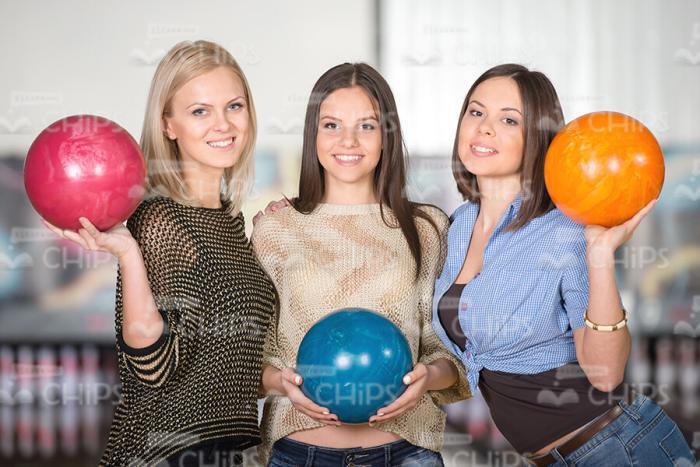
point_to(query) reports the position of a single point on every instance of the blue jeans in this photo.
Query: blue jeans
(290, 453)
(216, 453)
(642, 435)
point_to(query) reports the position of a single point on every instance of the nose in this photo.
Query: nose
(349, 138)
(222, 124)
(485, 128)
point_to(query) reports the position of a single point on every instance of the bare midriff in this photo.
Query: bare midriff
(345, 436)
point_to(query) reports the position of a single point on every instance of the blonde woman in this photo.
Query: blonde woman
(192, 303)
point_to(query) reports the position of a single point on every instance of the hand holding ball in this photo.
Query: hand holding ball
(353, 362)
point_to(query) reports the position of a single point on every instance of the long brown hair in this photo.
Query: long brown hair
(390, 174)
(542, 117)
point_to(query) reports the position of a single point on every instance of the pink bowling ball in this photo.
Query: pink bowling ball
(85, 166)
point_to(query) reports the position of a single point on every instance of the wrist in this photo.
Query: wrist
(431, 376)
(272, 381)
(130, 254)
(600, 256)
(279, 382)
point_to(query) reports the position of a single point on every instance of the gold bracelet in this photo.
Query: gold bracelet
(606, 327)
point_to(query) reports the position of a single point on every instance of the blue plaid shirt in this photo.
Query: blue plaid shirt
(519, 312)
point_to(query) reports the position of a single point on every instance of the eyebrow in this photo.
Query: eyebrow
(474, 101)
(204, 104)
(338, 119)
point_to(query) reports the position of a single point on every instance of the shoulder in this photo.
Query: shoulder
(157, 214)
(552, 240)
(435, 214)
(559, 229)
(461, 211)
(269, 226)
(431, 238)
(155, 206)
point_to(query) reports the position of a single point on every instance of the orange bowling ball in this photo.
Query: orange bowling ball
(602, 168)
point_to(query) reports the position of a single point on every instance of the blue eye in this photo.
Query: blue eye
(235, 106)
(198, 112)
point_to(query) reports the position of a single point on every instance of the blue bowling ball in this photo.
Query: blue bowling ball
(353, 362)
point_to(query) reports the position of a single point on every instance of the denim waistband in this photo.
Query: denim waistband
(299, 448)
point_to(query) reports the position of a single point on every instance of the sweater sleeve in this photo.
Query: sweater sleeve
(169, 256)
(431, 348)
(270, 252)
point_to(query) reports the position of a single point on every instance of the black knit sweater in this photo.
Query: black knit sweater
(199, 381)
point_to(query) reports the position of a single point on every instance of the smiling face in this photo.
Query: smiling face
(349, 141)
(208, 118)
(491, 132)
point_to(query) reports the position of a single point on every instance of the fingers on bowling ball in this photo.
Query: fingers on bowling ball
(89, 241)
(291, 376)
(97, 237)
(299, 397)
(75, 237)
(89, 226)
(420, 371)
(310, 409)
(634, 222)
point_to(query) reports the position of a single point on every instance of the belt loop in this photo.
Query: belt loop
(311, 450)
(631, 411)
(554, 453)
(630, 407)
(387, 454)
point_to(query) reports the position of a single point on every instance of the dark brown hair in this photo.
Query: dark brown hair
(542, 117)
(390, 174)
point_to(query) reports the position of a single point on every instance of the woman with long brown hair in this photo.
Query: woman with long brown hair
(527, 298)
(353, 239)
(192, 303)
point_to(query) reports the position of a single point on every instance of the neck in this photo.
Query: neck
(349, 194)
(496, 194)
(205, 187)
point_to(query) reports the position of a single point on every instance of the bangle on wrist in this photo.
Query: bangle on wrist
(606, 327)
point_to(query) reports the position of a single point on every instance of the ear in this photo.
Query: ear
(168, 129)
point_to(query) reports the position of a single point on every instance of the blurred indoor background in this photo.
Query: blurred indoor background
(58, 382)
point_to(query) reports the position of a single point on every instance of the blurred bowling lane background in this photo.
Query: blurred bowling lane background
(58, 379)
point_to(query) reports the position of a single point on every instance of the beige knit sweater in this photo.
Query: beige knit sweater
(346, 256)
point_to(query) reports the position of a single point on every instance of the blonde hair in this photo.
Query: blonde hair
(183, 62)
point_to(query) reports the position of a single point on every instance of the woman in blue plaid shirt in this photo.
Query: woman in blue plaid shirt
(528, 298)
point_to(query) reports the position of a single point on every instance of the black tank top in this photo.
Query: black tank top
(531, 411)
(449, 315)
(534, 410)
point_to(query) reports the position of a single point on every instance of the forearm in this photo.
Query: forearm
(442, 374)
(142, 324)
(605, 353)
